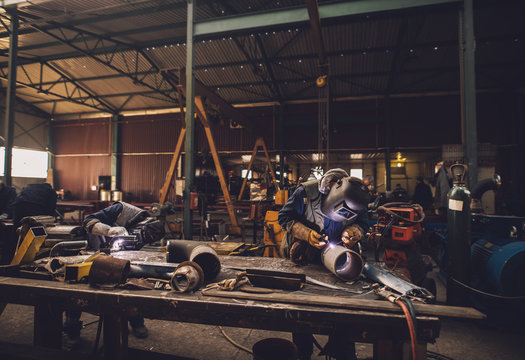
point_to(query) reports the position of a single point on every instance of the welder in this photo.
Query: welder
(332, 209)
(119, 219)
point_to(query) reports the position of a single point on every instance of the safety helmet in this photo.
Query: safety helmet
(346, 198)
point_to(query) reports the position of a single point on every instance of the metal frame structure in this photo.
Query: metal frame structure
(132, 61)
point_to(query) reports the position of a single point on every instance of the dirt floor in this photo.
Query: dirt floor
(458, 339)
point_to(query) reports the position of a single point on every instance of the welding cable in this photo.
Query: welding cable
(437, 356)
(411, 327)
(411, 309)
(237, 345)
(495, 296)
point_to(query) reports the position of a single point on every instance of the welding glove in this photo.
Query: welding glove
(117, 231)
(302, 232)
(351, 235)
(100, 229)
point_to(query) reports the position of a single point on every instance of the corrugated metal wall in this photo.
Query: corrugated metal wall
(82, 152)
(147, 142)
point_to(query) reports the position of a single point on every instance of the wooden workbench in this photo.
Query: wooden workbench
(386, 328)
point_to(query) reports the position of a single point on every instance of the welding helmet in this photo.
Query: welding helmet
(130, 215)
(346, 198)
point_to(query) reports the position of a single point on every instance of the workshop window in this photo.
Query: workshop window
(244, 172)
(26, 163)
(358, 173)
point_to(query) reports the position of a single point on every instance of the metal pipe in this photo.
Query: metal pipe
(467, 70)
(401, 286)
(188, 276)
(481, 188)
(344, 263)
(179, 251)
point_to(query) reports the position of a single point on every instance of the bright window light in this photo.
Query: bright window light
(26, 163)
(243, 173)
(358, 173)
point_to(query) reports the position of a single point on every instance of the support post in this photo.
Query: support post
(281, 144)
(467, 63)
(9, 122)
(50, 152)
(189, 166)
(47, 325)
(388, 142)
(115, 164)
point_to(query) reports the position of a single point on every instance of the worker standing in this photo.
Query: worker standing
(330, 210)
(7, 197)
(423, 194)
(115, 220)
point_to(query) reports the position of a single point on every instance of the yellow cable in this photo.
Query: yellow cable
(233, 341)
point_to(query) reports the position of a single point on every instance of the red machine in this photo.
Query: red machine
(398, 228)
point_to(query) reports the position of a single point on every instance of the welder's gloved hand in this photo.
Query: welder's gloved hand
(302, 232)
(351, 235)
(100, 229)
(3, 216)
(117, 231)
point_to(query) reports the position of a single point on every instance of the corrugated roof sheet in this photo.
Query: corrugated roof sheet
(368, 45)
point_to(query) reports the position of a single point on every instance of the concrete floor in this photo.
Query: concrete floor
(458, 339)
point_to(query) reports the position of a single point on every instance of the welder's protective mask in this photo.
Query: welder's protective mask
(346, 198)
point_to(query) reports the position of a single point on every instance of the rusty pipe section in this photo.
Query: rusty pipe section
(179, 251)
(187, 277)
(107, 270)
(344, 263)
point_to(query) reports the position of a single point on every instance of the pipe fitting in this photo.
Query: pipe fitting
(344, 263)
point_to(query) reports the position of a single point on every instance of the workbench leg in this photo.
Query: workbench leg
(388, 350)
(48, 326)
(115, 336)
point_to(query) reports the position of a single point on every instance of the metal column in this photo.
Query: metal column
(115, 164)
(468, 90)
(388, 142)
(281, 145)
(50, 150)
(9, 120)
(189, 166)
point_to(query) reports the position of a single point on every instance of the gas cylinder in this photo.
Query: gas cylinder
(458, 239)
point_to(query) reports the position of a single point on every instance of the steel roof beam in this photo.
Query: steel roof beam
(363, 51)
(298, 15)
(101, 18)
(107, 59)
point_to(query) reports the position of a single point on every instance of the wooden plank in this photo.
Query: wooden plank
(224, 248)
(254, 152)
(174, 160)
(351, 303)
(176, 153)
(270, 165)
(201, 112)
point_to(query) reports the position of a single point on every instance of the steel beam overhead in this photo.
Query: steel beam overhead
(467, 68)
(155, 81)
(297, 15)
(115, 165)
(9, 119)
(74, 93)
(189, 157)
(315, 24)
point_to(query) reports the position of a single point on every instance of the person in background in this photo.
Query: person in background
(7, 198)
(423, 194)
(330, 210)
(399, 194)
(33, 200)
